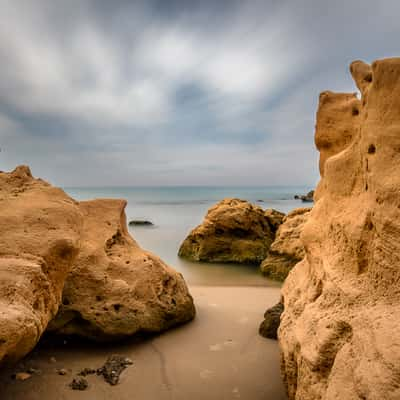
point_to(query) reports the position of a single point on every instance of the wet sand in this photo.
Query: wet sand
(218, 356)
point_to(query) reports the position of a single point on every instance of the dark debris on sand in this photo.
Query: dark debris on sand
(79, 383)
(113, 368)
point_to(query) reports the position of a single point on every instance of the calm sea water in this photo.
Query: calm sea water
(176, 210)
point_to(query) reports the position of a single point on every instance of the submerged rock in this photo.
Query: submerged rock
(115, 288)
(79, 383)
(113, 368)
(39, 240)
(272, 319)
(339, 332)
(233, 231)
(287, 249)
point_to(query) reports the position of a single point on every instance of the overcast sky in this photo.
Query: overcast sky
(177, 92)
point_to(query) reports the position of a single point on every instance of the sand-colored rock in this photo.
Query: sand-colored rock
(287, 249)
(339, 333)
(39, 240)
(115, 288)
(275, 218)
(233, 231)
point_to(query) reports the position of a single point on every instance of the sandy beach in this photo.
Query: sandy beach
(217, 356)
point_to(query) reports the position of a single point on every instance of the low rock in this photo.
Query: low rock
(287, 249)
(140, 223)
(272, 319)
(233, 231)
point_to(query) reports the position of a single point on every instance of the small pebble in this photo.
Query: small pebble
(62, 371)
(53, 360)
(22, 376)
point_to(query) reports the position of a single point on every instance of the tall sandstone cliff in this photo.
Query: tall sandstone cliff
(339, 332)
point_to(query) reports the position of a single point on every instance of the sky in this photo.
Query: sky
(115, 93)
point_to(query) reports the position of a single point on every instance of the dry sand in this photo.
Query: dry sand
(217, 356)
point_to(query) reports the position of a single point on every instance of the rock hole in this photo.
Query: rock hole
(65, 301)
(127, 262)
(368, 78)
(117, 307)
(99, 298)
(173, 302)
(355, 111)
(371, 149)
(370, 225)
(366, 187)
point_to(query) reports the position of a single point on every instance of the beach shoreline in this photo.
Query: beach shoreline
(219, 355)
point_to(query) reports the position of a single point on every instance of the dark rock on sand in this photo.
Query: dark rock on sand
(113, 368)
(79, 383)
(272, 319)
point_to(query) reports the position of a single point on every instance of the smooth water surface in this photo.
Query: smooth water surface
(176, 210)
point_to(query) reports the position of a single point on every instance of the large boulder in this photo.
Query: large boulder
(287, 249)
(339, 333)
(115, 288)
(233, 231)
(39, 241)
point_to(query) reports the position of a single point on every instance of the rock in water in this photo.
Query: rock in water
(287, 249)
(39, 241)
(140, 222)
(233, 231)
(79, 383)
(272, 319)
(339, 334)
(115, 288)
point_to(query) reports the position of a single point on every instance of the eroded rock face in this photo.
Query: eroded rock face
(233, 231)
(287, 249)
(339, 333)
(115, 288)
(39, 241)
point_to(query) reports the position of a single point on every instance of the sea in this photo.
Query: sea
(175, 211)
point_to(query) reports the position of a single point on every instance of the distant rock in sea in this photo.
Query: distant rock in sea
(233, 231)
(287, 249)
(307, 198)
(140, 222)
(339, 333)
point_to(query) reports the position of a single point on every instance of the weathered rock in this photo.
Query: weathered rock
(233, 231)
(274, 217)
(339, 331)
(39, 241)
(115, 288)
(287, 249)
(272, 319)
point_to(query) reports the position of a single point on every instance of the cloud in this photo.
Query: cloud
(224, 92)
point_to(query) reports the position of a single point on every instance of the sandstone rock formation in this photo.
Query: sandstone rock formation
(274, 217)
(115, 288)
(233, 231)
(287, 249)
(339, 333)
(39, 241)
